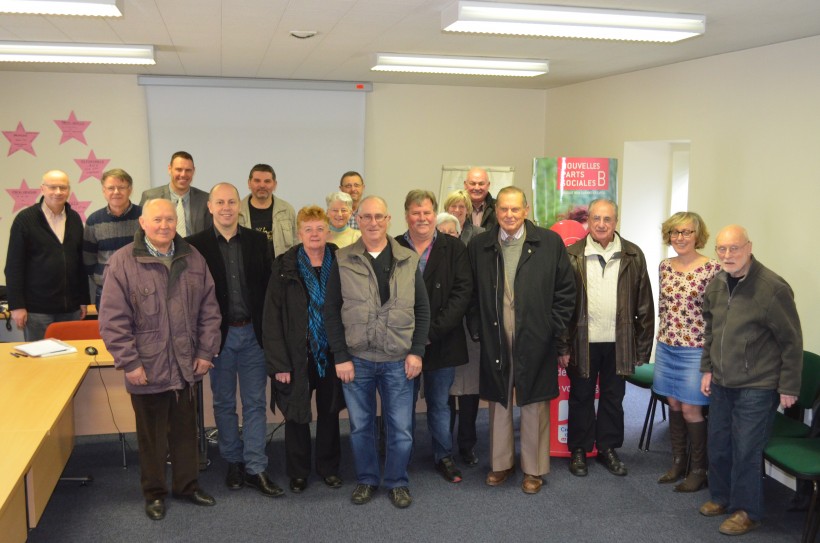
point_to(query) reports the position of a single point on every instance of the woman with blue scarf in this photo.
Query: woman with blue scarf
(298, 356)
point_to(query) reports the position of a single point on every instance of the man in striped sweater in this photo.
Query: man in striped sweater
(111, 227)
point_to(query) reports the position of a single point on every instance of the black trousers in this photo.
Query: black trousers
(467, 407)
(166, 423)
(328, 442)
(606, 428)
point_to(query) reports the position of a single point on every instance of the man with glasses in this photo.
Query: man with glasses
(752, 362)
(45, 276)
(611, 332)
(377, 318)
(111, 227)
(477, 185)
(353, 184)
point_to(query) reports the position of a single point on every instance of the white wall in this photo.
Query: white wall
(413, 130)
(754, 124)
(118, 131)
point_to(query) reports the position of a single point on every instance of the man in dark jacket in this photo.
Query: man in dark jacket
(445, 268)
(159, 319)
(45, 275)
(611, 332)
(477, 185)
(525, 295)
(752, 361)
(240, 262)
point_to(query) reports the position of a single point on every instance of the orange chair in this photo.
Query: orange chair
(70, 330)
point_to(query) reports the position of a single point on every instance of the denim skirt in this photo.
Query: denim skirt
(677, 374)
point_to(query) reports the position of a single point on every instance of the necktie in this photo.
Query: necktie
(181, 228)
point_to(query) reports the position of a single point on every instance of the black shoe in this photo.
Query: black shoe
(333, 481)
(448, 470)
(578, 463)
(155, 509)
(400, 497)
(198, 497)
(469, 458)
(298, 485)
(236, 476)
(263, 484)
(609, 458)
(362, 494)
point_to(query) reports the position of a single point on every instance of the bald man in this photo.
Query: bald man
(752, 362)
(477, 185)
(45, 274)
(240, 261)
(160, 321)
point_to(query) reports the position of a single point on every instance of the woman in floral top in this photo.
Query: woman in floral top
(683, 280)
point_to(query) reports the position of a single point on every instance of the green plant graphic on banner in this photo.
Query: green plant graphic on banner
(563, 187)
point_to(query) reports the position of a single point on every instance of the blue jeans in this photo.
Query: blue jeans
(437, 385)
(241, 357)
(396, 392)
(740, 423)
(36, 323)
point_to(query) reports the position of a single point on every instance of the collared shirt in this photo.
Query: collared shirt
(127, 209)
(502, 235)
(425, 255)
(186, 205)
(156, 252)
(231, 250)
(351, 222)
(55, 220)
(478, 212)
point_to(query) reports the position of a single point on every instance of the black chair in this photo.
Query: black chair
(785, 426)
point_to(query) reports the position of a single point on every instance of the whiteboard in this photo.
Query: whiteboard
(310, 137)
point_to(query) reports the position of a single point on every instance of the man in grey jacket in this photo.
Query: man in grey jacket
(160, 321)
(752, 361)
(262, 212)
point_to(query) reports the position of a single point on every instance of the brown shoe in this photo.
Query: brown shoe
(712, 509)
(738, 524)
(532, 484)
(495, 478)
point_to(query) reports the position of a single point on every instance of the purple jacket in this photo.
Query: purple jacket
(158, 318)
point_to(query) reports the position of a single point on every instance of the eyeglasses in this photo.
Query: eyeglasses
(112, 190)
(734, 249)
(57, 188)
(685, 233)
(379, 218)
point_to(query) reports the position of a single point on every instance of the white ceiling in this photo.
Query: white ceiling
(250, 38)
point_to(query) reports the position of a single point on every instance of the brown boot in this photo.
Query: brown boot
(696, 479)
(677, 435)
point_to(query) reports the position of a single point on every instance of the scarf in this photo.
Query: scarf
(316, 335)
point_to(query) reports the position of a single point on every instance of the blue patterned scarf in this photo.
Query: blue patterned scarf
(316, 335)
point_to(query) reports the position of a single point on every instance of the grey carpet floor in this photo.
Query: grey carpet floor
(596, 508)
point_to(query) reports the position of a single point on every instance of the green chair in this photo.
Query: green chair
(643, 377)
(786, 426)
(800, 458)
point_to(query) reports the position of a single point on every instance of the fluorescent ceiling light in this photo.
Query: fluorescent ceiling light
(390, 62)
(570, 22)
(101, 8)
(78, 53)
